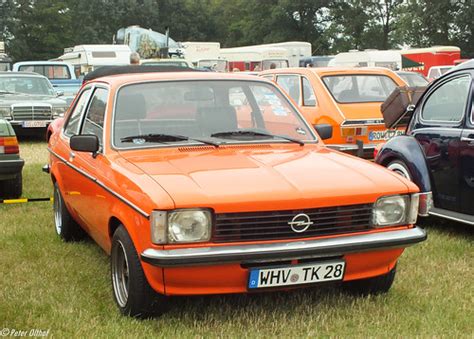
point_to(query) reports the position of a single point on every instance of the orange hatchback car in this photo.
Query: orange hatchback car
(207, 183)
(348, 99)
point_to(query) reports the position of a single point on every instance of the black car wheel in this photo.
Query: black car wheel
(376, 285)
(400, 168)
(132, 292)
(12, 188)
(65, 226)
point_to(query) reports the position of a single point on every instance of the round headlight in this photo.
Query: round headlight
(189, 226)
(391, 210)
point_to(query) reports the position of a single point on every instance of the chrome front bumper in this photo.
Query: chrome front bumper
(284, 251)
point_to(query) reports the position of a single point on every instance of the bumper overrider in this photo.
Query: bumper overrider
(319, 248)
(11, 167)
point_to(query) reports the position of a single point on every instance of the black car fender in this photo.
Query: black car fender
(406, 148)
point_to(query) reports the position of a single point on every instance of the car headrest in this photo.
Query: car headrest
(217, 119)
(131, 107)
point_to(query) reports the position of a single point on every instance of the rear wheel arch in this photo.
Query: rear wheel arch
(114, 223)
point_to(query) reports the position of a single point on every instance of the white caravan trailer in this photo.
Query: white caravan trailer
(86, 58)
(255, 58)
(368, 58)
(296, 50)
(203, 54)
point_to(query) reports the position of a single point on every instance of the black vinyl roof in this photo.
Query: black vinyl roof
(116, 70)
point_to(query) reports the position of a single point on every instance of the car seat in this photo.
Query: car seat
(217, 119)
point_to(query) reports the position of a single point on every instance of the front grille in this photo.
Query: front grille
(273, 225)
(26, 113)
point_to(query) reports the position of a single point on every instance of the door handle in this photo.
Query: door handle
(72, 155)
(466, 139)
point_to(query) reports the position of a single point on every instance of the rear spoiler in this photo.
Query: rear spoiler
(399, 106)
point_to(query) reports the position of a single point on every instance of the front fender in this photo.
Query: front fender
(407, 149)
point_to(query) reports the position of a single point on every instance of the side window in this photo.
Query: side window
(94, 122)
(309, 98)
(448, 102)
(73, 123)
(291, 85)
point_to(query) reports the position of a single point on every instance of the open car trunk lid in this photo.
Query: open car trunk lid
(397, 109)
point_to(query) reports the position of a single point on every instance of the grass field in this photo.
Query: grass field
(64, 288)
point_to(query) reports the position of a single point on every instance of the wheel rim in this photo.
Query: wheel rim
(58, 219)
(120, 274)
(400, 170)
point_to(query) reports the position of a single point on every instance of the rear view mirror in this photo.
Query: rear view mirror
(84, 143)
(324, 131)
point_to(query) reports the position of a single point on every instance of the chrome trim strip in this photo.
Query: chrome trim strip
(436, 214)
(350, 147)
(280, 251)
(88, 176)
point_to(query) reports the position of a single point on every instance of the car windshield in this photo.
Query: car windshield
(357, 88)
(221, 111)
(414, 79)
(25, 85)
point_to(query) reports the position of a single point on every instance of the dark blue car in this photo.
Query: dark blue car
(437, 152)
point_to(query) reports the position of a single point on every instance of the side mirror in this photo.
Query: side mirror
(59, 93)
(324, 131)
(85, 143)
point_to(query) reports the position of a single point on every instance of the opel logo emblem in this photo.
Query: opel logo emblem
(300, 223)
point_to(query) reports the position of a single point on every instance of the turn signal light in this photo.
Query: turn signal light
(9, 145)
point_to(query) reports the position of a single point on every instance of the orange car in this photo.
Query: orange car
(207, 183)
(348, 99)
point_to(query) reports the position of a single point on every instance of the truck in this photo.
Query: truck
(422, 59)
(86, 58)
(61, 75)
(390, 59)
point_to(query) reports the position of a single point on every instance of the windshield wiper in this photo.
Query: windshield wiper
(250, 133)
(164, 138)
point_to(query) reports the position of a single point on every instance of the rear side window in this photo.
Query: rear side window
(291, 85)
(448, 102)
(74, 122)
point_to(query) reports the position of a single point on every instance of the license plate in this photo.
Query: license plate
(296, 275)
(384, 135)
(34, 123)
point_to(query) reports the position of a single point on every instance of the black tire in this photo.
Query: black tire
(12, 188)
(67, 229)
(376, 285)
(132, 292)
(400, 168)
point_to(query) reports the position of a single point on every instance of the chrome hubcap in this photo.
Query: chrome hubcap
(120, 274)
(57, 205)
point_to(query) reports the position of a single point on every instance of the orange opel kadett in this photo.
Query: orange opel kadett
(348, 99)
(206, 183)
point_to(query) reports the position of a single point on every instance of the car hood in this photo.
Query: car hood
(9, 99)
(241, 179)
(369, 110)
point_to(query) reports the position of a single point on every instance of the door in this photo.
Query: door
(442, 121)
(95, 200)
(467, 163)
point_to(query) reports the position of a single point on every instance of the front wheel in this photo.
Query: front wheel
(376, 285)
(132, 293)
(400, 168)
